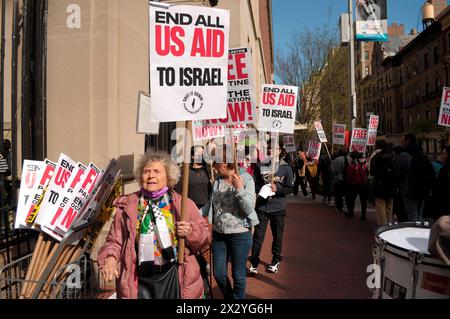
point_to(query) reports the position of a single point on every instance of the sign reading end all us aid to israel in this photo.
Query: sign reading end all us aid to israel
(188, 62)
(277, 109)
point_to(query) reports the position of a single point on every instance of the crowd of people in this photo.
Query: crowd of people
(229, 207)
(403, 183)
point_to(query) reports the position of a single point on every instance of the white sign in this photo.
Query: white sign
(201, 132)
(30, 178)
(241, 95)
(339, 134)
(144, 125)
(444, 113)
(289, 144)
(277, 108)
(320, 132)
(188, 62)
(314, 149)
(55, 189)
(373, 128)
(359, 140)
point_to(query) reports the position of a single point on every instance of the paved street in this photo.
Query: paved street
(325, 255)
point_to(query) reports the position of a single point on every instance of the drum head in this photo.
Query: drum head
(408, 238)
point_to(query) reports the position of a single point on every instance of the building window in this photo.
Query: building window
(401, 101)
(366, 55)
(366, 71)
(427, 88)
(437, 83)
(425, 60)
(435, 55)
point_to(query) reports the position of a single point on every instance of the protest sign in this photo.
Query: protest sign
(444, 113)
(277, 109)
(29, 182)
(68, 193)
(320, 132)
(359, 140)
(241, 96)
(55, 189)
(37, 195)
(373, 128)
(144, 124)
(339, 134)
(314, 149)
(289, 144)
(188, 62)
(82, 192)
(201, 132)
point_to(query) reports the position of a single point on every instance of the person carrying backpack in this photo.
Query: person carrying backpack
(356, 184)
(417, 177)
(381, 168)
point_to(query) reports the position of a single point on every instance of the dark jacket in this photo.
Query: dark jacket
(381, 168)
(284, 180)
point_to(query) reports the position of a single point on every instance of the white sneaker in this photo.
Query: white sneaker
(253, 270)
(273, 268)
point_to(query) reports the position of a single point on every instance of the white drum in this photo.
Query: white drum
(408, 271)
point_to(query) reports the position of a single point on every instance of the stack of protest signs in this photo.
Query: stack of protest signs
(68, 202)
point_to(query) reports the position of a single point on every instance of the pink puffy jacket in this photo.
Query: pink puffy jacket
(120, 244)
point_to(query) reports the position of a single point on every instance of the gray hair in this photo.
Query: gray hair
(172, 169)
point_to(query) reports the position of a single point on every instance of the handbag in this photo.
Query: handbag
(158, 282)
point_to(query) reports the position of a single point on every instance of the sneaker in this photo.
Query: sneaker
(252, 270)
(274, 267)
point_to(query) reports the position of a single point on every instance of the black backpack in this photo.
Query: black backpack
(422, 176)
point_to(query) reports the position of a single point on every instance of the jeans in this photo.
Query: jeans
(352, 192)
(300, 181)
(413, 208)
(277, 227)
(234, 247)
(339, 193)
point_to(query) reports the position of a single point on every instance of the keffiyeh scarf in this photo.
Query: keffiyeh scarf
(157, 241)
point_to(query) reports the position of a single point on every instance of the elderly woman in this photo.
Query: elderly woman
(142, 246)
(231, 211)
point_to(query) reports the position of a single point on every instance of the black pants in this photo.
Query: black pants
(352, 192)
(339, 193)
(300, 180)
(277, 227)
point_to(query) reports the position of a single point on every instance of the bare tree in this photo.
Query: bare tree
(303, 64)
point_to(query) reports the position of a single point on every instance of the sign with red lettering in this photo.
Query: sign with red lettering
(33, 204)
(444, 113)
(359, 140)
(314, 150)
(67, 194)
(278, 108)
(339, 134)
(320, 132)
(373, 128)
(188, 62)
(55, 189)
(201, 132)
(289, 144)
(30, 178)
(241, 96)
(82, 192)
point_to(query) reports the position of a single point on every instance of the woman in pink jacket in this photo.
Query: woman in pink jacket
(142, 246)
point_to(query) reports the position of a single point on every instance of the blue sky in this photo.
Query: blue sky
(289, 15)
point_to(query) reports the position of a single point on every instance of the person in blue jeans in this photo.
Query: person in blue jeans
(231, 212)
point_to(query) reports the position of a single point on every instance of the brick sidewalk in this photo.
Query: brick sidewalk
(325, 255)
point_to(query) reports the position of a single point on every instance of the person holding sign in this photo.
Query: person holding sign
(271, 209)
(231, 212)
(142, 246)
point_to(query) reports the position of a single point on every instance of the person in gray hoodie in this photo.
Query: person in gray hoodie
(271, 209)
